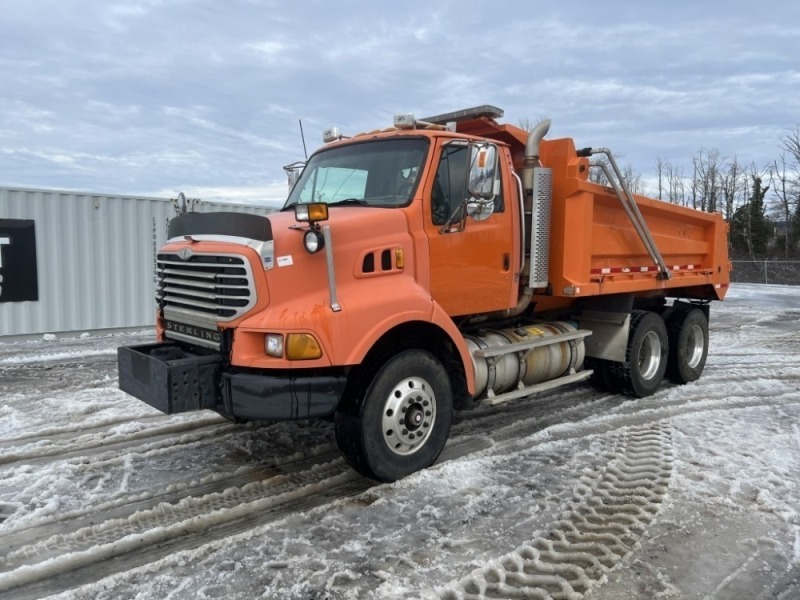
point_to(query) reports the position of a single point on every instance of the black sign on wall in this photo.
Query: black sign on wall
(19, 279)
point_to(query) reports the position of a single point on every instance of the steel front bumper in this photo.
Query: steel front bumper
(174, 379)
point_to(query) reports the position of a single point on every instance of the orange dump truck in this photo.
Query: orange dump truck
(435, 264)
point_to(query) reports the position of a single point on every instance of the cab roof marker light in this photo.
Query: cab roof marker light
(331, 135)
(405, 121)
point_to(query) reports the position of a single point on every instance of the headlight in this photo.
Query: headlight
(313, 241)
(274, 345)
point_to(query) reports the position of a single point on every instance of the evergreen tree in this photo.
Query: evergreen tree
(750, 228)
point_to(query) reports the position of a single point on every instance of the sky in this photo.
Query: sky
(154, 97)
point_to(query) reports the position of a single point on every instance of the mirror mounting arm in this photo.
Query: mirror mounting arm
(448, 226)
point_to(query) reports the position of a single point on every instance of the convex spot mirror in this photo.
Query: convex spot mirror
(480, 210)
(482, 171)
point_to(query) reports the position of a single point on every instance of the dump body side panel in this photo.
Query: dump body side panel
(595, 249)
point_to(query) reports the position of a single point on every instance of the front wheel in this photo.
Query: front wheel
(399, 422)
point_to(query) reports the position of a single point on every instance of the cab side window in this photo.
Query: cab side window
(450, 185)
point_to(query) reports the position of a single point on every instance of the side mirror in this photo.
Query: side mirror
(482, 171)
(293, 172)
(480, 210)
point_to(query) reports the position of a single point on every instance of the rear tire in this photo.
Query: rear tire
(688, 345)
(602, 378)
(399, 423)
(645, 357)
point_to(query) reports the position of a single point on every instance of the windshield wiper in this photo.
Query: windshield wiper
(349, 202)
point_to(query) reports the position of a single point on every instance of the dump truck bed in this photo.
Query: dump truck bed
(595, 249)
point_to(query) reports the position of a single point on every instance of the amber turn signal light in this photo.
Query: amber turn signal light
(311, 213)
(302, 346)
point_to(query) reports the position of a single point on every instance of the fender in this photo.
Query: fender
(403, 301)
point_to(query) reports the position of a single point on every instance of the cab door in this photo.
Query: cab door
(472, 262)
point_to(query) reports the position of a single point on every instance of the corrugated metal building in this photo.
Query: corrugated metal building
(74, 262)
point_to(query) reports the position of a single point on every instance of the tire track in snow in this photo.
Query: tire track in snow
(637, 416)
(192, 517)
(67, 560)
(538, 411)
(62, 359)
(28, 383)
(58, 433)
(513, 434)
(609, 514)
(576, 403)
(64, 448)
(176, 492)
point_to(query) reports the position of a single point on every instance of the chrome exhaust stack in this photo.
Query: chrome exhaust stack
(537, 185)
(532, 153)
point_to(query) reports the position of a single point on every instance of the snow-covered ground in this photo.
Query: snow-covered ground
(691, 493)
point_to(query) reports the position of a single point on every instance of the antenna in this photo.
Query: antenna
(303, 137)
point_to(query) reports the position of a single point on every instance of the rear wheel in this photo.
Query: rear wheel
(688, 345)
(602, 378)
(645, 356)
(399, 423)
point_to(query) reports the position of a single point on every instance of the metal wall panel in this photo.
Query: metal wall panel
(95, 255)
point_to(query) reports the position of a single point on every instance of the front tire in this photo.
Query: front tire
(399, 423)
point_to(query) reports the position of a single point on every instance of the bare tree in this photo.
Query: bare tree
(791, 143)
(676, 185)
(528, 124)
(694, 185)
(707, 167)
(633, 179)
(732, 181)
(660, 169)
(785, 189)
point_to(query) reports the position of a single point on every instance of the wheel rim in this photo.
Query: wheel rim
(650, 355)
(695, 345)
(408, 416)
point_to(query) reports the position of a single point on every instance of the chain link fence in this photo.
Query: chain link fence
(786, 272)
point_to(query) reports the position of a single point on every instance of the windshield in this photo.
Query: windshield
(375, 173)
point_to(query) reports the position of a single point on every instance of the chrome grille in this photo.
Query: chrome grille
(212, 287)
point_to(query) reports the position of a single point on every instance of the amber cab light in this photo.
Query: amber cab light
(302, 346)
(311, 213)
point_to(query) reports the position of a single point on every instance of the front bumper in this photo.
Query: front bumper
(174, 379)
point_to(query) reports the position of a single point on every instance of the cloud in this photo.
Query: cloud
(271, 48)
(273, 194)
(162, 94)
